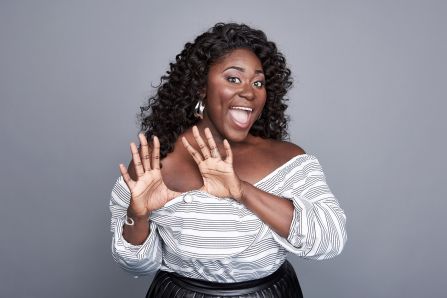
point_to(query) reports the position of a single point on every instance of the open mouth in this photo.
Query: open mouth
(241, 115)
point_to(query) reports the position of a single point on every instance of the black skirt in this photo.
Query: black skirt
(283, 283)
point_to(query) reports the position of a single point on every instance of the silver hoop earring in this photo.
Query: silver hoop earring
(198, 109)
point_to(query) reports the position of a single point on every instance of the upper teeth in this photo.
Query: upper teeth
(242, 108)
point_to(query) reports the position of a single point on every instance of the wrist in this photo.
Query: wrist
(136, 217)
(137, 224)
(241, 197)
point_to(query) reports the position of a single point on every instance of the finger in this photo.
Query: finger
(203, 147)
(136, 160)
(229, 153)
(156, 154)
(145, 153)
(212, 144)
(126, 176)
(196, 155)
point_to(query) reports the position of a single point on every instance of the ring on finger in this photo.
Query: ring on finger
(213, 151)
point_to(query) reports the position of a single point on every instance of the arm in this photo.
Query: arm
(312, 220)
(137, 259)
(139, 232)
(317, 227)
(139, 191)
(275, 211)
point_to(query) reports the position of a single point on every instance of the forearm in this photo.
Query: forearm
(275, 211)
(137, 259)
(136, 234)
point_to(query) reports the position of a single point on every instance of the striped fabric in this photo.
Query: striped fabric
(201, 236)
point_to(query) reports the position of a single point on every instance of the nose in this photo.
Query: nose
(247, 92)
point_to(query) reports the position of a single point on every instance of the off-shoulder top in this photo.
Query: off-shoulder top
(201, 236)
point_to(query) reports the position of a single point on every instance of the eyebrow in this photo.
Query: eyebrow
(241, 69)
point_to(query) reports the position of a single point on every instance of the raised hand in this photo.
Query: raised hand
(148, 192)
(219, 178)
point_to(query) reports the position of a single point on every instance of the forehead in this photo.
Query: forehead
(239, 57)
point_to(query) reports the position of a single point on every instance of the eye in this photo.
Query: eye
(235, 80)
(259, 84)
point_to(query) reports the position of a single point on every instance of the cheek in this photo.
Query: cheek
(221, 95)
(218, 91)
(226, 94)
(262, 95)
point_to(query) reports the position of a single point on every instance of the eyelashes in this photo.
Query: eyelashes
(236, 80)
(259, 84)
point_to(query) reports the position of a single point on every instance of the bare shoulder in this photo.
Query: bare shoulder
(284, 151)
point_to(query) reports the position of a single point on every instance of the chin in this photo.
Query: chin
(237, 136)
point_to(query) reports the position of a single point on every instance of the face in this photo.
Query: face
(235, 95)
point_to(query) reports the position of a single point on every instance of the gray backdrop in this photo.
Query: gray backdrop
(368, 101)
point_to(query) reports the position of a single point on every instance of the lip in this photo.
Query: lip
(240, 125)
(240, 106)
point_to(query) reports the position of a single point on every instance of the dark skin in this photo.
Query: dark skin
(218, 156)
(247, 166)
(245, 161)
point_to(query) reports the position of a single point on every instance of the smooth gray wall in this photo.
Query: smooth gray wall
(369, 100)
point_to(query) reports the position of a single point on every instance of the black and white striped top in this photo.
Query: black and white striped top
(204, 237)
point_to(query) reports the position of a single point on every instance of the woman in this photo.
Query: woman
(216, 199)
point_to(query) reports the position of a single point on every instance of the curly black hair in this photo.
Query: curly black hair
(171, 110)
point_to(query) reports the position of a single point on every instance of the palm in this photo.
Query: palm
(219, 178)
(217, 175)
(148, 191)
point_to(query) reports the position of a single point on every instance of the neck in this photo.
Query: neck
(206, 122)
(218, 137)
